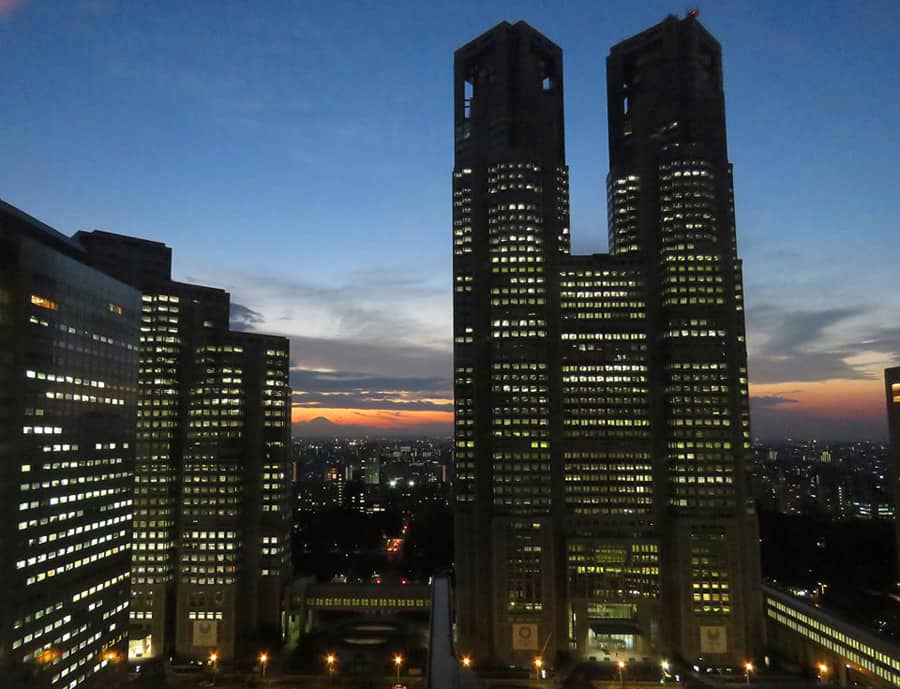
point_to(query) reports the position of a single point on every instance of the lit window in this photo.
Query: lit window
(44, 303)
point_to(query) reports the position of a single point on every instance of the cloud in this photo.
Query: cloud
(396, 305)
(796, 345)
(797, 329)
(351, 390)
(770, 401)
(243, 318)
(7, 7)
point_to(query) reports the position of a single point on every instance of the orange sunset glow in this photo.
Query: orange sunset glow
(828, 399)
(376, 418)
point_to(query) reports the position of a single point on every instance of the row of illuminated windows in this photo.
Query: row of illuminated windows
(328, 602)
(603, 336)
(38, 633)
(60, 378)
(516, 269)
(582, 472)
(73, 481)
(80, 529)
(69, 566)
(72, 498)
(38, 614)
(63, 327)
(885, 665)
(93, 399)
(620, 422)
(46, 557)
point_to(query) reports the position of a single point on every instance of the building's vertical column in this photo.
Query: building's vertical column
(671, 202)
(510, 214)
(274, 543)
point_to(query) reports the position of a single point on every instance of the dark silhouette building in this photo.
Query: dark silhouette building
(602, 419)
(68, 398)
(892, 394)
(211, 537)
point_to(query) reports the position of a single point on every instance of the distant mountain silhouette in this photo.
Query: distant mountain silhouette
(322, 427)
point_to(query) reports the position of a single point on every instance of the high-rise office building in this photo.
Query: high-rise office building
(892, 395)
(175, 317)
(190, 581)
(234, 547)
(68, 395)
(602, 425)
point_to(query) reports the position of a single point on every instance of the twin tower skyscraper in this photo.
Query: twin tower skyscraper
(602, 428)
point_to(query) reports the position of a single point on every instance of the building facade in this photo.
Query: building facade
(234, 544)
(68, 399)
(180, 323)
(601, 405)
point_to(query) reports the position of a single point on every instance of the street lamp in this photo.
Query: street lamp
(398, 661)
(823, 671)
(330, 660)
(214, 661)
(621, 665)
(664, 665)
(538, 664)
(263, 663)
(748, 668)
(466, 661)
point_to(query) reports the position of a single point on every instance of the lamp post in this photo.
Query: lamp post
(664, 666)
(466, 662)
(823, 671)
(330, 660)
(398, 661)
(214, 661)
(621, 665)
(538, 664)
(748, 668)
(263, 664)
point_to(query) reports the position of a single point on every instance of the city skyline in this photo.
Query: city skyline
(258, 140)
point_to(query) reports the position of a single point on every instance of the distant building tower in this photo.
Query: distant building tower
(773, 455)
(892, 394)
(68, 399)
(602, 439)
(372, 471)
(825, 457)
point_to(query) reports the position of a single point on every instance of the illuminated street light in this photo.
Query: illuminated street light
(263, 663)
(214, 661)
(330, 660)
(621, 665)
(538, 664)
(398, 661)
(664, 665)
(823, 671)
(748, 668)
(466, 661)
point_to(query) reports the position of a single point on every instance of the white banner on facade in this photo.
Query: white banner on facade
(525, 637)
(206, 633)
(713, 640)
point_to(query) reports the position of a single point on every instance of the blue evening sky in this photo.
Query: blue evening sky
(299, 154)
